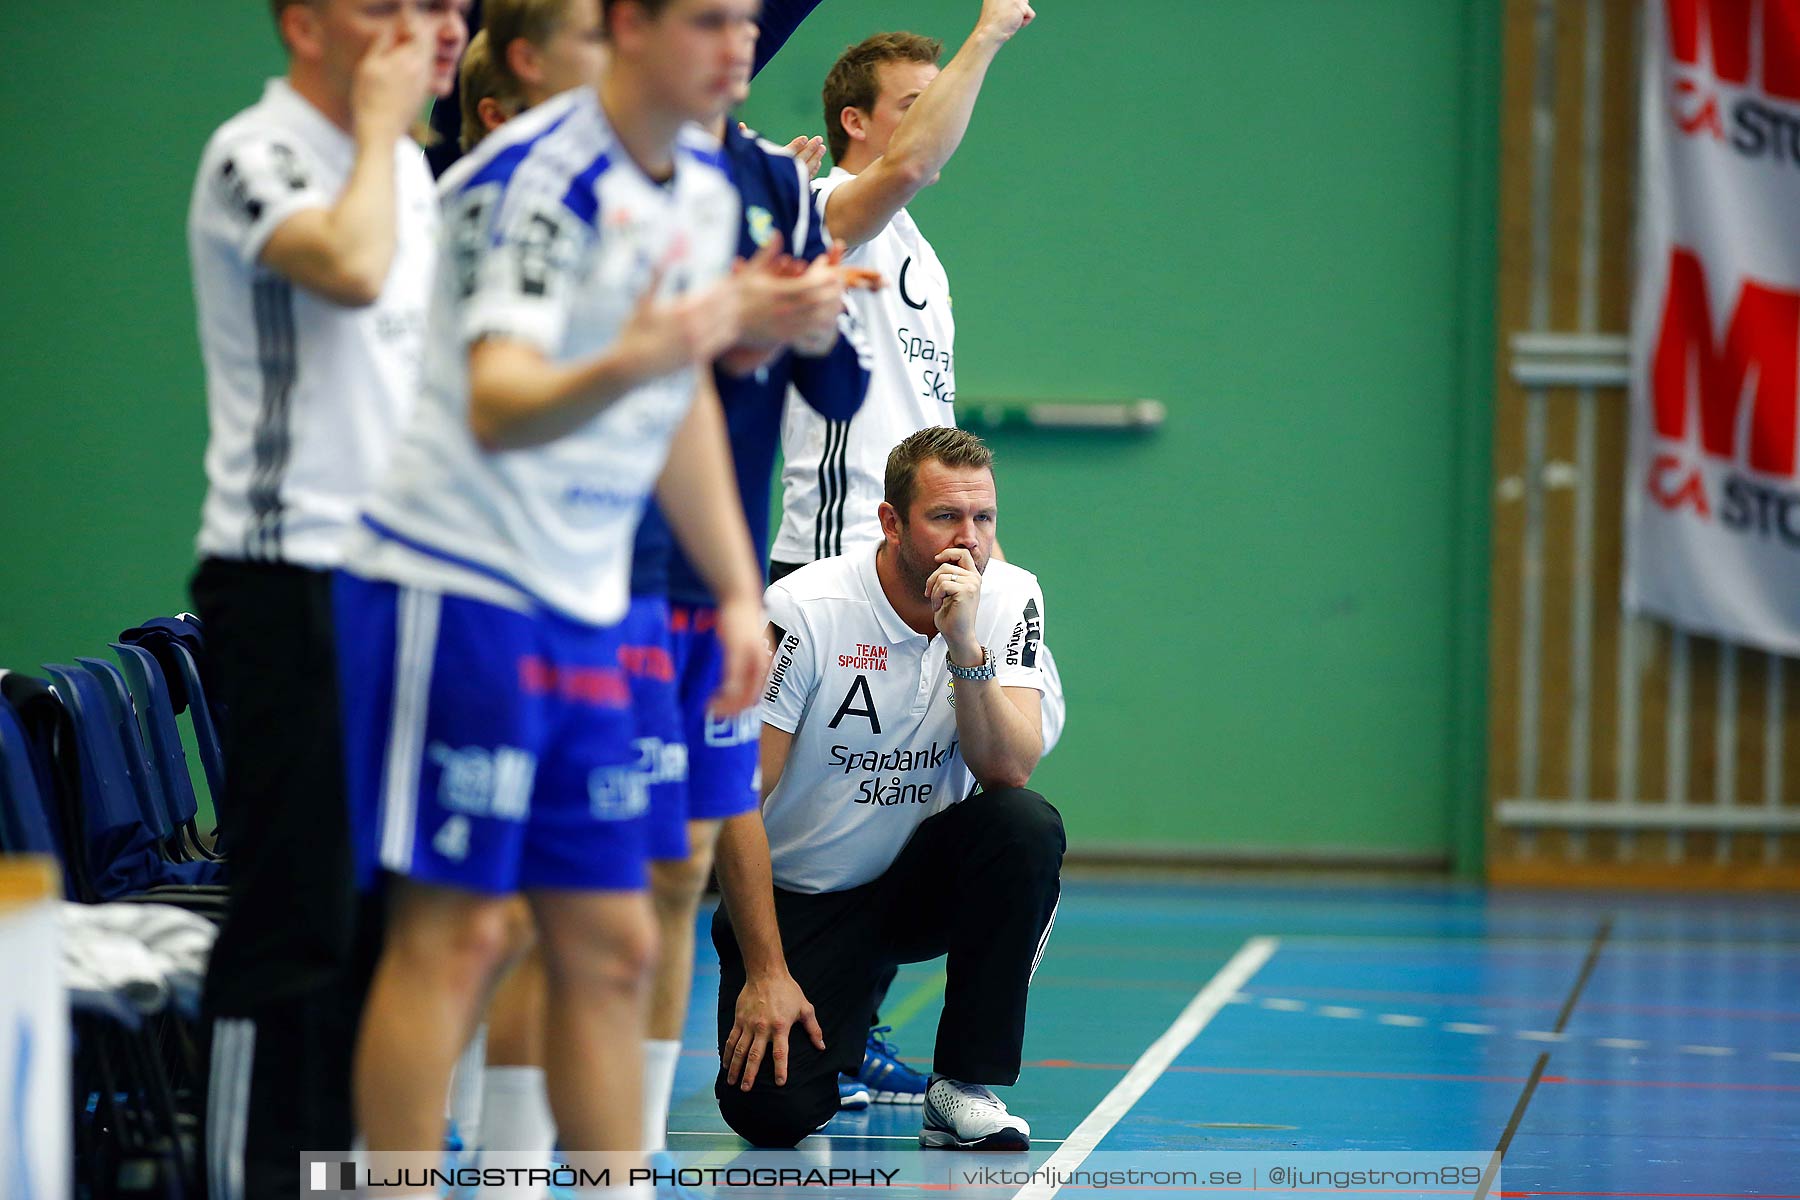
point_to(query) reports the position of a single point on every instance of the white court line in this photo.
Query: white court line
(1152, 1063)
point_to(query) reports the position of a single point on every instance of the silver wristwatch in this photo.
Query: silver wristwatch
(973, 674)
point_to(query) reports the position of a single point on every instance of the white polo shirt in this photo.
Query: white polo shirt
(551, 237)
(305, 398)
(870, 705)
(832, 471)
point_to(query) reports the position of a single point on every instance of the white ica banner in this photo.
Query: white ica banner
(1713, 496)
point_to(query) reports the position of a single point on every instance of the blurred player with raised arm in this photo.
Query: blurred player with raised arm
(311, 237)
(892, 121)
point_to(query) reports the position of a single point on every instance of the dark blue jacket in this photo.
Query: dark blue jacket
(772, 194)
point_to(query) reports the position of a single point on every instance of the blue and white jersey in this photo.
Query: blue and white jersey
(551, 234)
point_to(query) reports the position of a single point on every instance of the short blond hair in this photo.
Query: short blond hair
(941, 443)
(480, 78)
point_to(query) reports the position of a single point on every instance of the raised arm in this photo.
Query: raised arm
(928, 135)
(344, 252)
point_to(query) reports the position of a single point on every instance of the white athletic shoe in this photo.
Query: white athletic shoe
(968, 1116)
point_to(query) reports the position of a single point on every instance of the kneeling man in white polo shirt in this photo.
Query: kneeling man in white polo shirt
(901, 725)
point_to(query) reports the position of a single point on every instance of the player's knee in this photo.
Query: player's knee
(675, 885)
(776, 1119)
(600, 953)
(518, 932)
(463, 949)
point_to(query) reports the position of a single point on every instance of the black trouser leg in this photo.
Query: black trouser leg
(286, 979)
(979, 883)
(832, 954)
(882, 987)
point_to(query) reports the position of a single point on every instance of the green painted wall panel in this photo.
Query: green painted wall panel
(1257, 211)
(1252, 211)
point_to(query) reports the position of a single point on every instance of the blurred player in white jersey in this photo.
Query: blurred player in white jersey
(311, 237)
(584, 287)
(532, 50)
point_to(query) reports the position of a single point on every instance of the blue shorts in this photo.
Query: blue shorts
(486, 749)
(661, 753)
(723, 753)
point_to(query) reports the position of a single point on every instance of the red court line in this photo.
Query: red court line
(1652, 1010)
(1304, 1073)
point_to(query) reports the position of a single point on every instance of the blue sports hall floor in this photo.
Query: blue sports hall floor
(1608, 1045)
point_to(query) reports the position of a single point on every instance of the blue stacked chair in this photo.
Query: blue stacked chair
(24, 823)
(176, 642)
(168, 759)
(206, 730)
(127, 1118)
(119, 846)
(95, 774)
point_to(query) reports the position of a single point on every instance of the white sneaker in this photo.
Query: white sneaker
(968, 1116)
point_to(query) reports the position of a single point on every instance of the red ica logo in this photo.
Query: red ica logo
(1696, 109)
(1673, 483)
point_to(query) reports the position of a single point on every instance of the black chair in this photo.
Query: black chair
(133, 1135)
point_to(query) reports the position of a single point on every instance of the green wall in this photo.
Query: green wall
(1273, 215)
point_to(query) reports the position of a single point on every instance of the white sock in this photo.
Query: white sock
(465, 1091)
(660, 1058)
(516, 1121)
